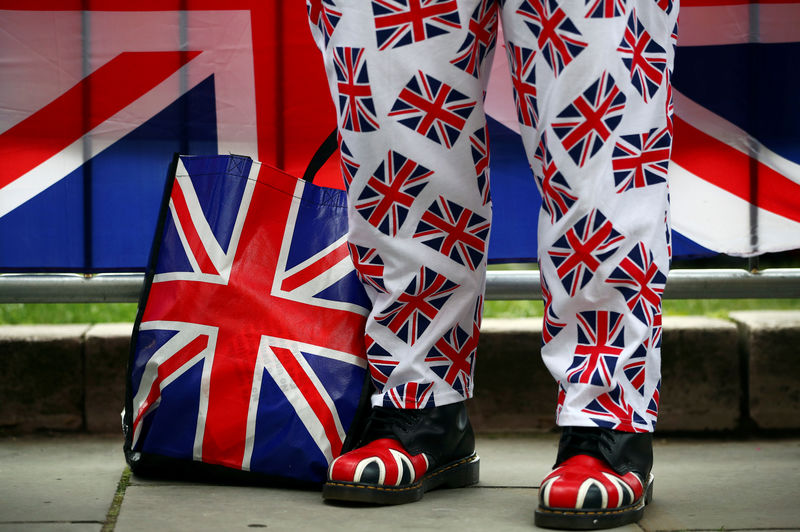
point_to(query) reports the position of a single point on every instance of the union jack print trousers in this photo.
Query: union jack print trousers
(591, 83)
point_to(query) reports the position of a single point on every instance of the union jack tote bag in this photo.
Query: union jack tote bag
(247, 356)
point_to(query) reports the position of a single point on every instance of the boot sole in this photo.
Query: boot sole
(570, 519)
(458, 474)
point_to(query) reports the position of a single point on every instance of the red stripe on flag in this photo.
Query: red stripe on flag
(316, 269)
(126, 5)
(199, 251)
(112, 87)
(284, 100)
(713, 3)
(167, 368)
(312, 395)
(729, 169)
(724, 3)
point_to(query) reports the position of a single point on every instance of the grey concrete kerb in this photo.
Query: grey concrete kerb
(700, 375)
(107, 347)
(700, 368)
(771, 342)
(715, 376)
(41, 377)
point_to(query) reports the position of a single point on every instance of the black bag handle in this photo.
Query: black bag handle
(320, 157)
(354, 434)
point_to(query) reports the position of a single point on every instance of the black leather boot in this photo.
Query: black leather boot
(404, 453)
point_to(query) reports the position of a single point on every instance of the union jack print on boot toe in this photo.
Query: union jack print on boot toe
(601, 480)
(403, 454)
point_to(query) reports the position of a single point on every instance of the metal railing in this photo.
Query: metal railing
(500, 285)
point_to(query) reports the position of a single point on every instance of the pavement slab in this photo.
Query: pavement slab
(58, 483)
(239, 508)
(50, 527)
(734, 485)
(701, 485)
(504, 500)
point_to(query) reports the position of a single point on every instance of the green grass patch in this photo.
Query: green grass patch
(716, 308)
(116, 503)
(513, 309)
(720, 308)
(45, 313)
(32, 313)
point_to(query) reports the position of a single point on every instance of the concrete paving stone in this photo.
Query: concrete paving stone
(737, 485)
(700, 375)
(59, 482)
(700, 485)
(106, 346)
(504, 500)
(237, 508)
(41, 377)
(772, 341)
(51, 527)
(516, 461)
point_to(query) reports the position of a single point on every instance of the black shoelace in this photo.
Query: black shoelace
(382, 421)
(584, 440)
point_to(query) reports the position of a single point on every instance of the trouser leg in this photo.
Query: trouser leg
(406, 79)
(592, 88)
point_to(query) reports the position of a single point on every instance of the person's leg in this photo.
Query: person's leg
(406, 79)
(591, 84)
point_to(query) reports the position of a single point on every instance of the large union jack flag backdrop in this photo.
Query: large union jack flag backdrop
(249, 352)
(734, 172)
(99, 95)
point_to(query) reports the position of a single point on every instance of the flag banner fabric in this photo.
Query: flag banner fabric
(97, 96)
(248, 349)
(735, 171)
(734, 174)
